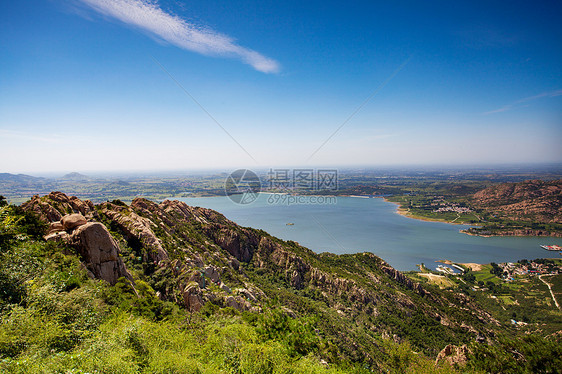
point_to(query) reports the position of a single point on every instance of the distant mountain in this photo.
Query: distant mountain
(22, 183)
(16, 187)
(74, 176)
(19, 178)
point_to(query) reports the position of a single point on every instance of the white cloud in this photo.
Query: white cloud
(517, 103)
(148, 16)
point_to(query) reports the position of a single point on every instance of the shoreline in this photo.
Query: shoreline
(406, 213)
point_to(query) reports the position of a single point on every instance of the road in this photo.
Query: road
(551, 293)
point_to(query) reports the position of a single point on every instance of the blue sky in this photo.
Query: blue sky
(93, 85)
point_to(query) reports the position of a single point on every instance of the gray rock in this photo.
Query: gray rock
(192, 297)
(99, 252)
(225, 288)
(55, 227)
(198, 278)
(212, 273)
(237, 303)
(57, 236)
(72, 221)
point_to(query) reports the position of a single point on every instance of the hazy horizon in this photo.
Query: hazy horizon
(138, 85)
(547, 167)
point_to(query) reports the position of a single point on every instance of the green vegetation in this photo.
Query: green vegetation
(427, 207)
(54, 318)
(529, 354)
(524, 299)
(530, 208)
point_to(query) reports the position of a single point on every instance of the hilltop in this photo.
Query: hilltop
(75, 176)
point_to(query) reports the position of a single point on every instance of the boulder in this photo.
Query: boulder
(72, 221)
(55, 227)
(99, 252)
(136, 228)
(237, 303)
(212, 273)
(192, 297)
(453, 355)
(198, 278)
(224, 287)
(57, 236)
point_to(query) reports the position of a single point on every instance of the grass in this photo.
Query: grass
(484, 275)
(506, 299)
(556, 284)
(439, 280)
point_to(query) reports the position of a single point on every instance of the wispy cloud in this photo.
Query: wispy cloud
(518, 103)
(148, 16)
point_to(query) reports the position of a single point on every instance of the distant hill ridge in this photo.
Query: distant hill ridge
(75, 176)
(533, 200)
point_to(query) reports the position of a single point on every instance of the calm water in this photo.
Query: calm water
(360, 225)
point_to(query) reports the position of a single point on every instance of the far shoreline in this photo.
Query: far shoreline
(406, 213)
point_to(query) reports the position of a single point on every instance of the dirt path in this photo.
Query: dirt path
(458, 216)
(551, 293)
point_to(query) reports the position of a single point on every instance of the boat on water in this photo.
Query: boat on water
(290, 224)
(552, 247)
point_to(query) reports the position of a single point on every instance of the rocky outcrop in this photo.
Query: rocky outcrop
(174, 215)
(401, 278)
(55, 205)
(232, 243)
(192, 297)
(237, 303)
(55, 227)
(133, 226)
(340, 286)
(453, 355)
(212, 273)
(71, 221)
(99, 252)
(67, 218)
(194, 256)
(56, 236)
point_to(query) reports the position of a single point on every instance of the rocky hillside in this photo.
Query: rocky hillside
(198, 259)
(534, 200)
(530, 208)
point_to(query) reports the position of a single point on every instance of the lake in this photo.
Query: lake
(354, 225)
